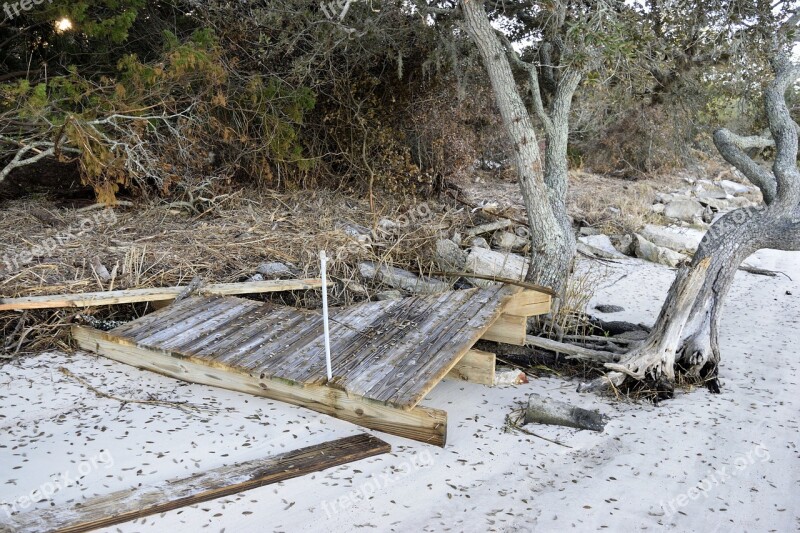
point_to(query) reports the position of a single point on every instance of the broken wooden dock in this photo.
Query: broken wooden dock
(386, 356)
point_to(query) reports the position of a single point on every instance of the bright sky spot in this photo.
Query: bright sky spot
(63, 25)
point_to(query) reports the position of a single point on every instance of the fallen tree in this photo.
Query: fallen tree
(686, 332)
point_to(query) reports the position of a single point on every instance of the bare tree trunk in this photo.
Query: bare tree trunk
(687, 328)
(544, 194)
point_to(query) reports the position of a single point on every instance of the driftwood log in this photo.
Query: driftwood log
(541, 410)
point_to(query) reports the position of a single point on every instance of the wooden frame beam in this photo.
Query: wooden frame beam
(509, 329)
(476, 366)
(89, 299)
(529, 303)
(130, 504)
(420, 423)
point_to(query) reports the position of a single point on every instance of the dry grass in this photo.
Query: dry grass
(591, 196)
(157, 245)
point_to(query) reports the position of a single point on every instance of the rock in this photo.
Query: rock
(393, 294)
(505, 240)
(740, 201)
(601, 246)
(497, 264)
(449, 256)
(614, 210)
(633, 335)
(624, 244)
(733, 188)
(522, 231)
(664, 197)
(356, 288)
(543, 410)
(479, 242)
(456, 238)
(657, 254)
(354, 230)
(402, 279)
(588, 231)
(683, 209)
(256, 277)
(706, 189)
(606, 308)
(682, 240)
(708, 214)
(658, 208)
(274, 270)
(386, 225)
(486, 228)
(619, 327)
(717, 204)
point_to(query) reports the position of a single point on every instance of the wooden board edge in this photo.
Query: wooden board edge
(423, 424)
(476, 366)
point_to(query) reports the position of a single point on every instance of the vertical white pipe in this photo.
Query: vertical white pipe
(323, 266)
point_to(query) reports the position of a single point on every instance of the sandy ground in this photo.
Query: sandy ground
(700, 462)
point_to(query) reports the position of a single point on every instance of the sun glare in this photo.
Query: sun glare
(63, 25)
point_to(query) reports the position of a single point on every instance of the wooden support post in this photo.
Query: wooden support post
(476, 367)
(529, 303)
(420, 423)
(510, 329)
(130, 504)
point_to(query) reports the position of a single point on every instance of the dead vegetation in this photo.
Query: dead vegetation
(51, 250)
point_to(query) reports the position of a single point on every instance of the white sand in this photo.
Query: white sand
(739, 447)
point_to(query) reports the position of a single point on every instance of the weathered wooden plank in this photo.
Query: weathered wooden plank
(510, 329)
(130, 504)
(265, 326)
(390, 361)
(440, 350)
(196, 318)
(238, 344)
(421, 423)
(476, 366)
(89, 299)
(401, 337)
(158, 317)
(432, 371)
(221, 321)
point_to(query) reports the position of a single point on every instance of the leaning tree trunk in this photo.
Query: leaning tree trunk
(552, 239)
(687, 328)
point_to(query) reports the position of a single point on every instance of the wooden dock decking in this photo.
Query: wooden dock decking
(386, 356)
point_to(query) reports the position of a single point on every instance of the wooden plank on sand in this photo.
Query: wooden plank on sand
(130, 504)
(89, 299)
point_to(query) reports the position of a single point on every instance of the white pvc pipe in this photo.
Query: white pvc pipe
(323, 266)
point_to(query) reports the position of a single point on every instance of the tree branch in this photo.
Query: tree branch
(729, 147)
(784, 130)
(533, 79)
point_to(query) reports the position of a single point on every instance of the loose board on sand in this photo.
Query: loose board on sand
(125, 505)
(386, 356)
